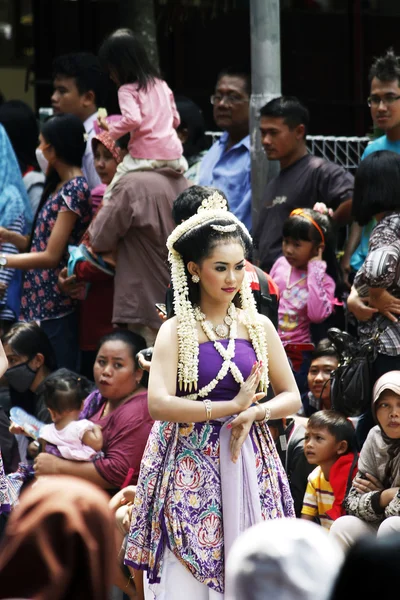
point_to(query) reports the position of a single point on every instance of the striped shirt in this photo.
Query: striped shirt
(6, 275)
(318, 498)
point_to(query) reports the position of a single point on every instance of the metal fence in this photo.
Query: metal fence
(344, 151)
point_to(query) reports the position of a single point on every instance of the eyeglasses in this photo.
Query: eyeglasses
(227, 98)
(387, 100)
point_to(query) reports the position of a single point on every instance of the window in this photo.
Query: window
(16, 33)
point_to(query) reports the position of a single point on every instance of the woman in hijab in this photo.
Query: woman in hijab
(283, 559)
(373, 503)
(59, 543)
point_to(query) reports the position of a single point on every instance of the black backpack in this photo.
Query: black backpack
(351, 382)
(267, 303)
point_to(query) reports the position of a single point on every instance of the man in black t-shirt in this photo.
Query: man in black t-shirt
(303, 179)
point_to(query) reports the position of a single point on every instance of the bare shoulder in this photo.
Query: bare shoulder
(262, 319)
(266, 323)
(168, 332)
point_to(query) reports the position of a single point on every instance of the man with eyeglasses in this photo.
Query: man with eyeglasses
(384, 102)
(227, 164)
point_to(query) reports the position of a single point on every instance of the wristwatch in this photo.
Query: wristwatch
(3, 261)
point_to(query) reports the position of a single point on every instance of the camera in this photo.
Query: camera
(147, 353)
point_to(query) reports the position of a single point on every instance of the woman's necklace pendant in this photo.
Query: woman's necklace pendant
(221, 330)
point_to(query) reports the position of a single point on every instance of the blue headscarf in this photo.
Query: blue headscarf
(14, 199)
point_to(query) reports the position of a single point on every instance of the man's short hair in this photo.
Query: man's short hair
(86, 69)
(237, 71)
(386, 67)
(324, 348)
(288, 108)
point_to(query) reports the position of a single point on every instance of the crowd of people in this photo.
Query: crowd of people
(179, 453)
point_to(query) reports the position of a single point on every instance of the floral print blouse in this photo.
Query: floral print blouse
(42, 298)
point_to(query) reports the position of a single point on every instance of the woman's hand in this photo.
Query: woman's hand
(69, 286)
(360, 306)
(4, 235)
(247, 394)
(240, 428)
(387, 496)
(387, 304)
(47, 464)
(16, 429)
(124, 496)
(366, 484)
(143, 363)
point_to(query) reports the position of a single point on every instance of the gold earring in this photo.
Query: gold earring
(195, 278)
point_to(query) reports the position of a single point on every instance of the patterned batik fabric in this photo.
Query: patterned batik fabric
(178, 499)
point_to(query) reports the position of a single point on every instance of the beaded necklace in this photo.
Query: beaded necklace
(226, 353)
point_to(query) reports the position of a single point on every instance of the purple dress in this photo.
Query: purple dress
(187, 488)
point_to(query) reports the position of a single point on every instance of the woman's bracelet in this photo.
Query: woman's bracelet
(267, 414)
(208, 407)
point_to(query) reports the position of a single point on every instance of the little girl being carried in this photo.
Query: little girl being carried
(64, 393)
(147, 105)
(307, 290)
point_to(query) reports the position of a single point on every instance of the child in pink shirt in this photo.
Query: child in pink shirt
(307, 292)
(147, 105)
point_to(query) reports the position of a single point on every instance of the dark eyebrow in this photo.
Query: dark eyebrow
(112, 358)
(220, 262)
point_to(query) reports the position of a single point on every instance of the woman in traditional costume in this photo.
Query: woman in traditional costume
(210, 469)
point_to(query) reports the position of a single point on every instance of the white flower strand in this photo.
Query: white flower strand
(255, 328)
(188, 343)
(227, 354)
(213, 208)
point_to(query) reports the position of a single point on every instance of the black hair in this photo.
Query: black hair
(135, 343)
(28, 339)
(123, 54)
(386, 67)
(86, 69)
(376, 186)
(237, 71)
(324, 348)
(66, 133)
(187, 203)
(290, 109)
(337, 424)
(20, 123)
(300, 228)
(65, 390)
(198, 243)
(123, 141)
(192, 120)
(372, 565)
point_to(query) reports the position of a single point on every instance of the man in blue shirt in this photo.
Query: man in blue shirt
(227, 164)
(384, 102)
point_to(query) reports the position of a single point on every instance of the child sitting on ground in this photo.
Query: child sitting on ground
(64, 393)
(330, 443)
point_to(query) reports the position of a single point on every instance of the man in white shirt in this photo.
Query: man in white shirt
(79, 82)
